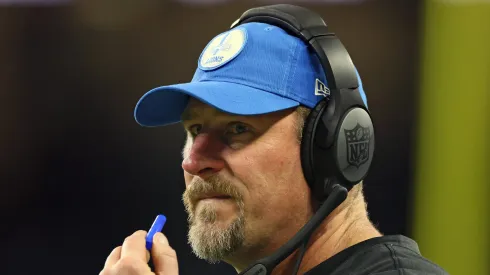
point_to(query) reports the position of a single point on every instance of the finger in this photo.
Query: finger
(164, 256)
(113, 257)
(134, 246)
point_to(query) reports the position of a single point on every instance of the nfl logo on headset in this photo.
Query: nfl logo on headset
(357, 145)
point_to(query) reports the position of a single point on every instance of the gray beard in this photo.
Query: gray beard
(209, 241)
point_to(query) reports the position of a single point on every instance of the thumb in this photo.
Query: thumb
(164, 256)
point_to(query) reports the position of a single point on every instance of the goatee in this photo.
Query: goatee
(209, 241)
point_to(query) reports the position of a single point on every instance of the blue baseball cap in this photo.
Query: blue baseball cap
(252, 69)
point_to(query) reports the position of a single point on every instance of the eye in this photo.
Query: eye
(195, 129)
(238, 128)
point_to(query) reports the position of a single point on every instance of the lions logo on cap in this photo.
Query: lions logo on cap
(222, 49)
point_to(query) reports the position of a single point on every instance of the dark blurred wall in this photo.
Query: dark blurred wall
(78, 174)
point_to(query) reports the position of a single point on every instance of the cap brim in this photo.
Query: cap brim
(164, 105)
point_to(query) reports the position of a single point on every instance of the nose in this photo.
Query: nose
(203, 158)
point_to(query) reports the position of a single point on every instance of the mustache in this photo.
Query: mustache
(214, 184)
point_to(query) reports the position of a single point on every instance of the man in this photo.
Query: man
(246, 193)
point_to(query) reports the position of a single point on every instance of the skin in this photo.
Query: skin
(259, 156)
(131, 258)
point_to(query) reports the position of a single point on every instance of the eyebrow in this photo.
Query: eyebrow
(188, 114)
(191, 114)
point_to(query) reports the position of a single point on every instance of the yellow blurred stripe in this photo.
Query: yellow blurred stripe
(452, 192)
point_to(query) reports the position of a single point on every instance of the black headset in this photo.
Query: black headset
(338, 138)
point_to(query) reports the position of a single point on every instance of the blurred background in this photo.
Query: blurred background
(78, 174)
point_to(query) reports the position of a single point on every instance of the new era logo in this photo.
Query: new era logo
(321, 89)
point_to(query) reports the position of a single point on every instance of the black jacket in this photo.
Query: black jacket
(386, 255)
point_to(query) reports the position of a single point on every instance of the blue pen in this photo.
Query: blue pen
(155, 227)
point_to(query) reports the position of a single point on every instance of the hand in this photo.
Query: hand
(132, 257)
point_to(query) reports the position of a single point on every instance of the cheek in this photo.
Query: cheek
(272, 177)
(280, 167)
(278, 196)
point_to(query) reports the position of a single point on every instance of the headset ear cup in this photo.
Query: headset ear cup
(307, 143)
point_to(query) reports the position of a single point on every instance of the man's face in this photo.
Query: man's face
(245, 190)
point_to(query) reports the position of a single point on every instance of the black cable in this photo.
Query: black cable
(302, 251)
(300, 256)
